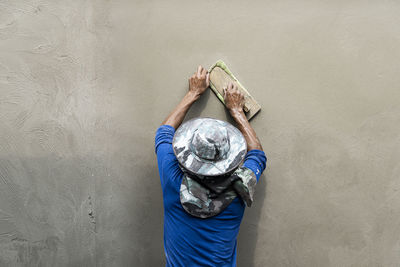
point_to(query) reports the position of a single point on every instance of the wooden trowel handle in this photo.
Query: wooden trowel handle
(219, 79)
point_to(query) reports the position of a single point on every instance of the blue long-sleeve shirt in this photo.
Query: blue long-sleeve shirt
(188, 240)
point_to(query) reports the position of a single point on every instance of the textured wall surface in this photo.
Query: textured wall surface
(85, 84)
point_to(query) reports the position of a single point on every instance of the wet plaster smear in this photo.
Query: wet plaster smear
(85, 84)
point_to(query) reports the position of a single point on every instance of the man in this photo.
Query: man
(205, 186)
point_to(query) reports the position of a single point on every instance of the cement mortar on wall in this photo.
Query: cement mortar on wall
(85, 84)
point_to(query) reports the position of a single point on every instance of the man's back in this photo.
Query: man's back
(192, 241)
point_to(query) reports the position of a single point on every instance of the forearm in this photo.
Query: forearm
(248, 132)
(176, 117)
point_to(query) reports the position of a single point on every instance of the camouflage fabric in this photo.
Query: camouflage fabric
(209, 147)
(209, 152)
(205, 197)
(245, 185)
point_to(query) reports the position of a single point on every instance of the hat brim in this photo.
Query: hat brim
(202, 167)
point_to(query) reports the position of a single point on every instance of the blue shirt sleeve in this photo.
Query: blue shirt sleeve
(167, 163)
(163, 139)
(256, 161)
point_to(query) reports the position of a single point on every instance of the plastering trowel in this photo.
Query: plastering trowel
(220, 76)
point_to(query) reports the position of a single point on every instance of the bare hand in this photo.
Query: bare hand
(234, 99)
(199, 81)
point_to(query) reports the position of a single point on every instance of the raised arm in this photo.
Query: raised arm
(198, 84)
(234, 101)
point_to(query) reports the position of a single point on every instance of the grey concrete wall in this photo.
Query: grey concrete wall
(85, 84)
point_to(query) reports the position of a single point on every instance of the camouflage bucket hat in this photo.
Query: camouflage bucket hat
(209, 147)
